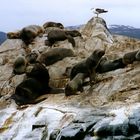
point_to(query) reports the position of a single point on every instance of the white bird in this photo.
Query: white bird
(98, 11)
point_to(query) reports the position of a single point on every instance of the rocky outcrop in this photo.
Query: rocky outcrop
(97, 34)
(109, 109)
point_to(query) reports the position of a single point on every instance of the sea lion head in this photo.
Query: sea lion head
(73, 33)
(19, 66)
(98, 53)
(76, 33)
(95, 57)
(32, 57)
(13, 35)
(130, 57)
(60, 25)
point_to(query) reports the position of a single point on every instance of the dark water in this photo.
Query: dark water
(3, 37)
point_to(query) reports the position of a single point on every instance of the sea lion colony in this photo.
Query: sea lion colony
(37, 75)
(29, 33)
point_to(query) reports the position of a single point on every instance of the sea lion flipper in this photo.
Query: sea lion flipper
(92, 76)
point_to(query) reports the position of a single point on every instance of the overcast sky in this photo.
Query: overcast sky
(15, 14)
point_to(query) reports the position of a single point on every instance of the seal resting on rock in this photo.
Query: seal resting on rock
(106, 65)
(13, 35)
(27, 34)
(129, 57)
(76, 84)
(88, 65)
(54, 55)
(60, 35)
(27, 91)
(35, 85)
(53, 24)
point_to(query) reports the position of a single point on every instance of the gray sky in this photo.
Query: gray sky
(15, 14)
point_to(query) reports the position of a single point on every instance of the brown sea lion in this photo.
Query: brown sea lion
(88, 65)
(76, 84)
(13, 35)
(19, 65)
(27, 91)
(73, 33)
(28, 33)
(60, 35)
(53, 24)
(54, 55)
(35, 85)
(106, 65)
(21, 62)
(129, 57)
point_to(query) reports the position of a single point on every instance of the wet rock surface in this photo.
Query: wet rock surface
(101, 127)
(105, 110)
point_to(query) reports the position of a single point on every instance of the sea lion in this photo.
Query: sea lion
(35, 85)
(76, 84)
(19, 65)
(60, 35)
(27, 34)
(53, 24)
(54, 55)
(129, 57)
(27, 91)
(88, 65)
(73, 33)
(13, 35)
(106, 65)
